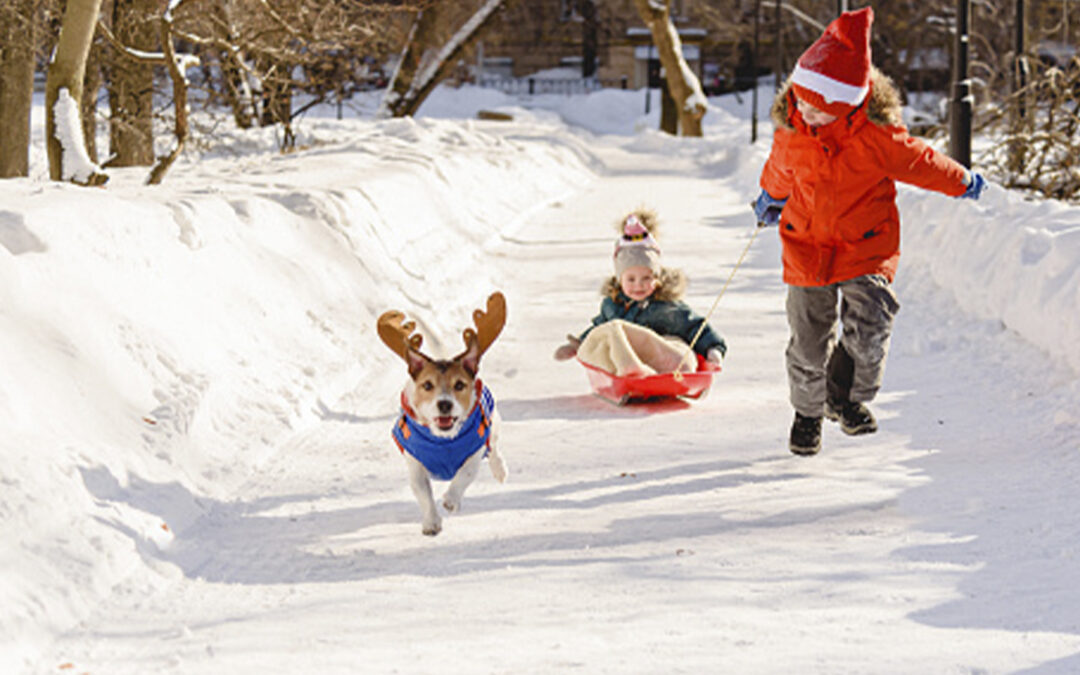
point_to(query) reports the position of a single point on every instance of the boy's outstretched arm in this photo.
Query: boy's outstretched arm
(911, 160)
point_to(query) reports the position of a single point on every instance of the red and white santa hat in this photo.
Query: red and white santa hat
(833, 74)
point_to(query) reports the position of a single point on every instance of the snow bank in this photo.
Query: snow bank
(149, 337)
(607, 111)
(1003, 258)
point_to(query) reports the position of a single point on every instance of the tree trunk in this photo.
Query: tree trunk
(131, 86)
(234, 80)
(88, 105)
(420, 40)
(418, 73)
(17, 42)
(66, 76)
(684, 86)
(589, 29)
(180, 102)
(276, 94)
(669, 114)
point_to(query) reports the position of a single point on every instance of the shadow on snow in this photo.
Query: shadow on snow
(236, 542)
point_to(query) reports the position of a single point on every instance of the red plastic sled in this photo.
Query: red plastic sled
(621, 390)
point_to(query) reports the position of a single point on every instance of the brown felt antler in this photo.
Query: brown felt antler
(488, 324)
(398, 333)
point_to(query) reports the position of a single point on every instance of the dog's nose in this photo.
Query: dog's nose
(445, 407)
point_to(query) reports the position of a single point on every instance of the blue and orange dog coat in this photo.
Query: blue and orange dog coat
(441, 456)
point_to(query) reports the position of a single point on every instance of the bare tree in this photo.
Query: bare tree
(17, 48)
(176, 65)
(423, 64)
(131, 84)
(88, 106)
(1040, 150)
(399, 98)
(682, 83)
(272, 50)
(231, 62)
(63, 91)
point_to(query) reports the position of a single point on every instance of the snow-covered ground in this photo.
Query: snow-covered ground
(197, 474)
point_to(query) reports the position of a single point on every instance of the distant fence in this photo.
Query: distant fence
(529, 86)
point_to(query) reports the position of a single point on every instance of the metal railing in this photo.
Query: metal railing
(531, 86)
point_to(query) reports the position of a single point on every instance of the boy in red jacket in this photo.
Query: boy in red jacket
(838, 147)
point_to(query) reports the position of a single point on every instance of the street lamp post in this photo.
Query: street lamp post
(779, 45)
(754, 76)
(1020, 67)
(960, 111)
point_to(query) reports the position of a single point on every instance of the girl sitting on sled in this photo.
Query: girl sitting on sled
(644, 327)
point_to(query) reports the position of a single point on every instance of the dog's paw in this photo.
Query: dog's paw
(450, 503)
(431, 528)
(498, 468)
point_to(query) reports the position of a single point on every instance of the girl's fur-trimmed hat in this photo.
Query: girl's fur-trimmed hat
(833, 74)
(636, 246)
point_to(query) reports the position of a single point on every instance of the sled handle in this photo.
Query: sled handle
(701, 328)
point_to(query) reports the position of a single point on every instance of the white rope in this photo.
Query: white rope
(705, 322)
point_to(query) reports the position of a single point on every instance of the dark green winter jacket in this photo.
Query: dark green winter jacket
(664, 312)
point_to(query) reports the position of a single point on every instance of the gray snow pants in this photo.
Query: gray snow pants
(852, 369)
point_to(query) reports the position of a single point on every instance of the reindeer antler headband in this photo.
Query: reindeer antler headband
(399, 336)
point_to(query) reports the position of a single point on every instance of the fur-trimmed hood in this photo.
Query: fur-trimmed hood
(671, 286)
(883, 105)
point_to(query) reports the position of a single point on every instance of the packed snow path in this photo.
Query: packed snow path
(647, 539)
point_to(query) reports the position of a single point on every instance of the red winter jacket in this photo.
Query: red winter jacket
(841, 220)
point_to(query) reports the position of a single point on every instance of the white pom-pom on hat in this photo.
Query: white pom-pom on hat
(636, 247)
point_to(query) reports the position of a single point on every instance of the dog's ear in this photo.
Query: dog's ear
(470, 358)
(416, 362)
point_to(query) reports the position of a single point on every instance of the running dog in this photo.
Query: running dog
(448, 422)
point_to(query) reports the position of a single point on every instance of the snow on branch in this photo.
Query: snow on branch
(156, 58)
(183, 61)
(453, 45)
(696, 103)
(420, 69)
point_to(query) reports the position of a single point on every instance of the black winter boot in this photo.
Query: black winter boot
(854, 417)
(805, 435)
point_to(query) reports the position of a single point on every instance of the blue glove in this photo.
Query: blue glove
(767, 208)
(975, 188)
